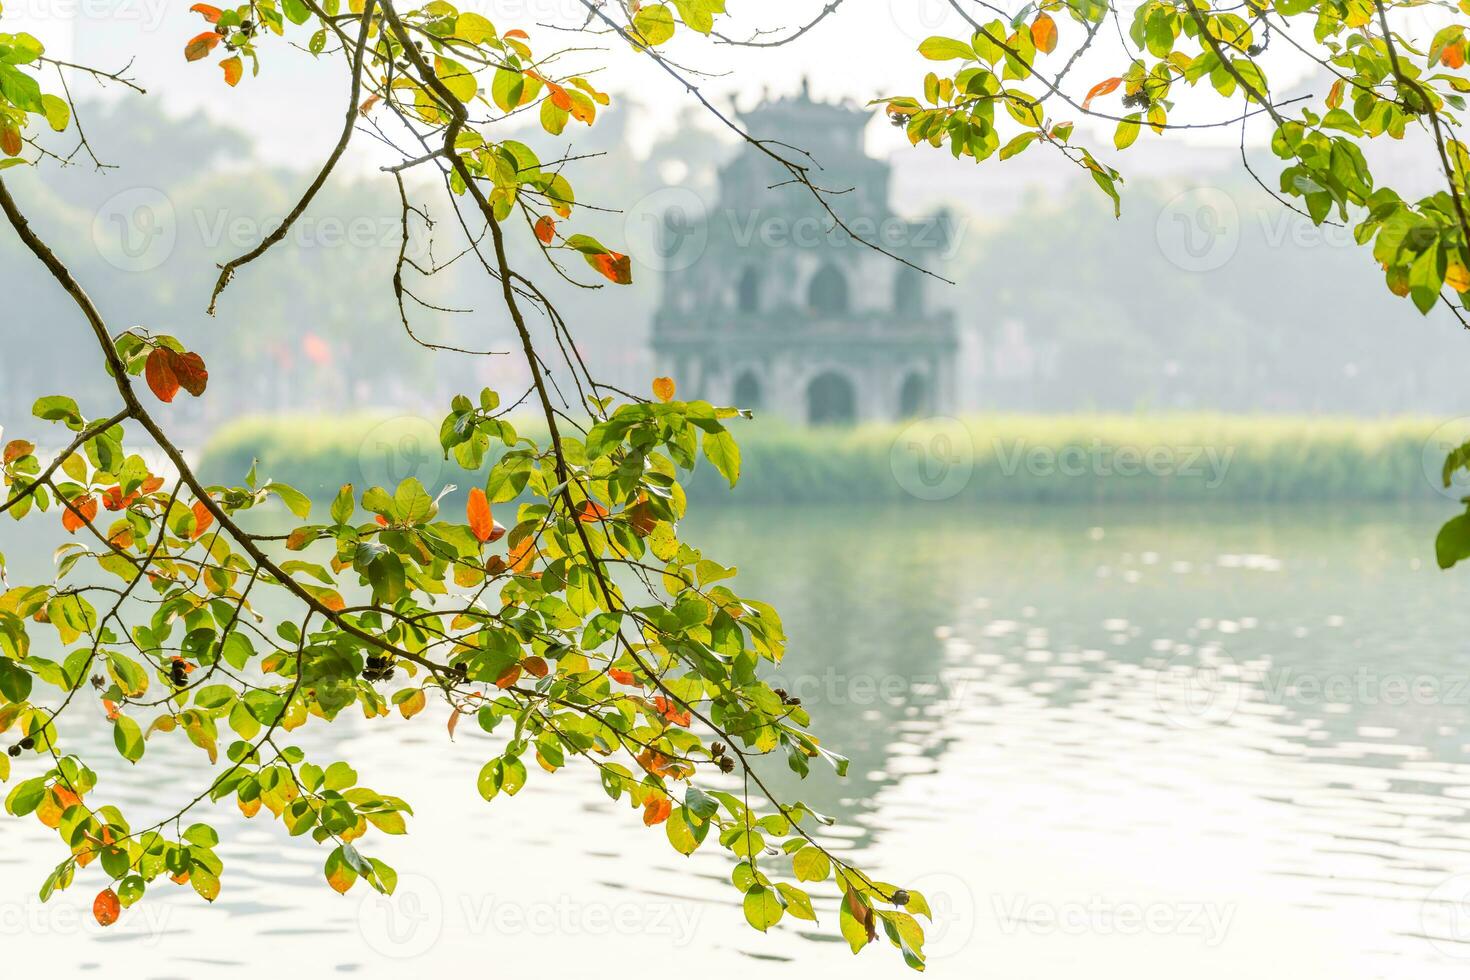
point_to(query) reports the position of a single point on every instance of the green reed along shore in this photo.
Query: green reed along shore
(983, 458)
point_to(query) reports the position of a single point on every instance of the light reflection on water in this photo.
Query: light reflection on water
(1116, 743)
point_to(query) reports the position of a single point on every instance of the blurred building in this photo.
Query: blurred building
(769, 304)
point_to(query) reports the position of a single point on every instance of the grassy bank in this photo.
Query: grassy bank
(983, 458)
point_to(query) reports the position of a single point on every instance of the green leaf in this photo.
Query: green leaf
(474, 28)
(58, 113)
(685, 831)
(655, 24)
(128, 738)
(1452, 544)
(721, 449)
(946, 49)
(763, 907)
(1127, 131)
(457, 78)
(810, 864)
(296, 502)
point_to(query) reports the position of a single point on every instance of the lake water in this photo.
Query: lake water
(1118, 743)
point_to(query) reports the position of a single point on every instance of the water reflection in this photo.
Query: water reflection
(1117, 743)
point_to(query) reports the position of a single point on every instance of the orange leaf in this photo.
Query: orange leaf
(536, 666)
(453, 723)
(211, 14)
(522, 555)
(106, 908)
(1454, 55)
(664, 389)
(508, 676)
(368, 104)
(79, 513)
(1334, 94)
(1101, 88)
(545, 229)
(1044, 33)
(591, 512)
(234, 70)
(518, 33)
(10, 140)
(111, 709)
(615, 266)
(656, 810)
(671, 711)
(159, 373)
(190, 371)
(16, 449)
(622, 676)
(482, 524)
(200, 45)
(202, 519)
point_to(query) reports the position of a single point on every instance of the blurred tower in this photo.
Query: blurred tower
(776, 308)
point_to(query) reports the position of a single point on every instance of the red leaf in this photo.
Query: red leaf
(106, 907)
(536, 666)
(234, 70)
(201, 45)
(615, 266)
(211, 14)
(16, 449)
(545, 229)
(191, 372)
(158, 371)
(202, 519)
(508, 676)
(79, 513)
(482, 525)
(1101, 88)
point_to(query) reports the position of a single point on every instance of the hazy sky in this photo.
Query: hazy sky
(865, 48)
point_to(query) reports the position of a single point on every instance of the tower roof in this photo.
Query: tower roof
(799, 115)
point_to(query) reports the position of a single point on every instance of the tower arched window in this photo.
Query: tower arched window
(908, 292)
(747, 391)
(748, 291)
(827, 293)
